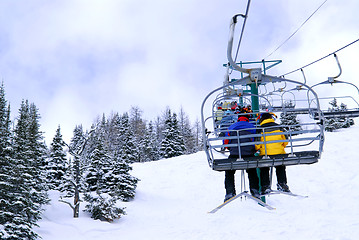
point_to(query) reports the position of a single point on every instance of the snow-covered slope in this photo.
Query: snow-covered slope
(174, 196)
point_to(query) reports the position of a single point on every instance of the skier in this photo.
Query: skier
(241, 127)
(269, 126)
(219, 114)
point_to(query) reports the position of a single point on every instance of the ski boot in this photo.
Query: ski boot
(282, 187)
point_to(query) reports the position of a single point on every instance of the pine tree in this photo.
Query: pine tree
(102, 206)
(167, 149)
(121, 184)
(108, 177)
(57, 162)
(159, 128)
(186, 132)
(172, 144)
(334, 104)
(177, 137)
(7, 186)
(99, 166)
(149, 146)
(290, 122)
(115, 142)
(72, 183)
(78, 139)
(334, 123)
(30, 193)
(345, 121)
(129, 151)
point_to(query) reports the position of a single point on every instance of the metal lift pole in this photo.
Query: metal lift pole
(255, 108)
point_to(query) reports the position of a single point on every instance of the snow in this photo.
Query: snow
(174, 196)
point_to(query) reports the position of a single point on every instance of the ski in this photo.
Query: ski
(224, 204)
(285, 193)
(260, 202)
(246, 194)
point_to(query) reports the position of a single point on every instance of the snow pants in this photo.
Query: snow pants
(229, 182)
(280, 172)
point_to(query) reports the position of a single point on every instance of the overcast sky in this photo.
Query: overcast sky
(77, 59)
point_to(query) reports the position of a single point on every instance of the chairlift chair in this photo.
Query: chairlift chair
(341, 113)
(304, 146)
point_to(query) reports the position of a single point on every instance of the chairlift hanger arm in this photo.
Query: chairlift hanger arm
(332, 80)
(230, 46)
(340, 68)
(336, 81)
(300, 87)
(305, 79)
(253, 73)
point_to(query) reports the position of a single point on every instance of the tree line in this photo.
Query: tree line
(93, 168)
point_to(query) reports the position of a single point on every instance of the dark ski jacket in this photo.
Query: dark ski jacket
(246, 129)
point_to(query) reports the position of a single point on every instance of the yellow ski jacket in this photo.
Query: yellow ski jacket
(269, 127)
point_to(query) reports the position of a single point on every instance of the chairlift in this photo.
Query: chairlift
(286, 102)
(304, 146)
(342, 113)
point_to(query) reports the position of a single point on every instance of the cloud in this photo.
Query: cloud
(78, 59)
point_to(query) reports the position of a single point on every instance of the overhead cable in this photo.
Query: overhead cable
(296, 30)
(322, 57)
(244, 24)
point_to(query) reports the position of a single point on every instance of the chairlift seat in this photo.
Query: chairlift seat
(303, 157)
(345, 113)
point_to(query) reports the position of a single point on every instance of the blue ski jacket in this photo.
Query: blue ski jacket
(245, 128)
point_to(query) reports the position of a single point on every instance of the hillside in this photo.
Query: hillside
(174, 196)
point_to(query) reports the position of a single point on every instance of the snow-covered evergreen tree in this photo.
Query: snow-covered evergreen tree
(159, 127)
(186, 132)
(99, 166)
(138, 128)
(101, 201)
(108, 179)
(180, 147)
(57, 163)
(78, 139)
(129, 151)
(172, 144)
(38, 155)
(334, 123)
(102, 206)
(27, 172)
(121, 183)
(290, 122)
(73, 176)
(149, 146)
(8, 215)
(115, 140)
(73, 183)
